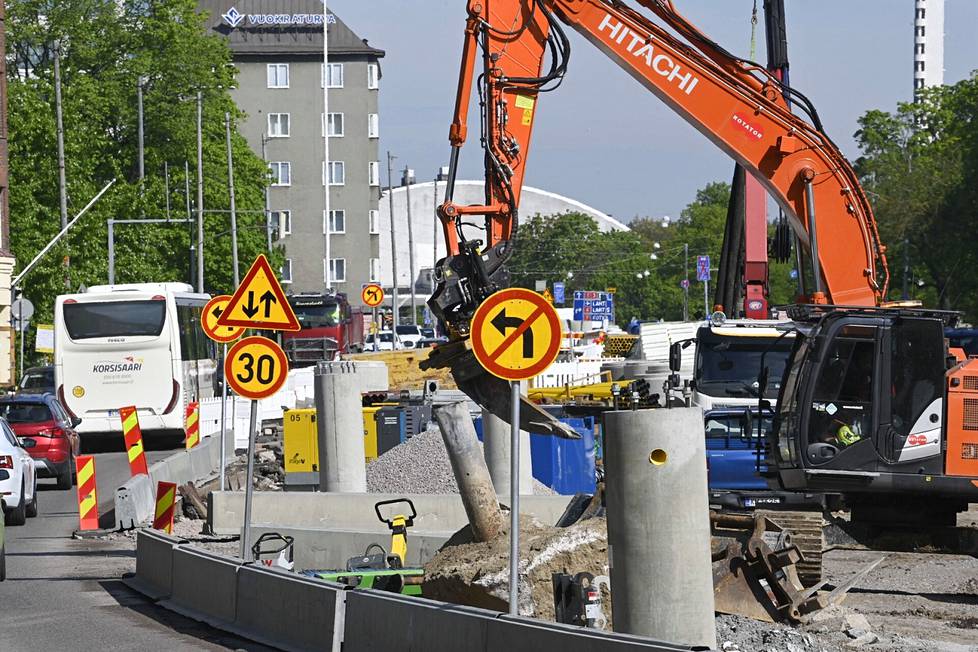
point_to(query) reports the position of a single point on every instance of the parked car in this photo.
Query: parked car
(410, 335)
(46, 431)
(385, 341)
(18, 479)
(37, 380)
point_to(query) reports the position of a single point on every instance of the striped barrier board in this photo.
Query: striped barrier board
(166, 497)
(134, 440)
(87, 495)
(191, 422)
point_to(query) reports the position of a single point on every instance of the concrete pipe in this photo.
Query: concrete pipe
(659, 525)
(339, 425)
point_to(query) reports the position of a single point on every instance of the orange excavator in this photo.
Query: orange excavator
(742, 107)
(873, 404)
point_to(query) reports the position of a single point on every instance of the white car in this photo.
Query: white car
(410, 335)
(18, 478)
(385, 341)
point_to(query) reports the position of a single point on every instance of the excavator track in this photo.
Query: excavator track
(807, 534)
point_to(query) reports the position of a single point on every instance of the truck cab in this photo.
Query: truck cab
(728, 361)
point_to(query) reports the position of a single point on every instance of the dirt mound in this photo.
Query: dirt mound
(477, 574)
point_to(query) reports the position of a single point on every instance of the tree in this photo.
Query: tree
(917, 167)
(105, 48)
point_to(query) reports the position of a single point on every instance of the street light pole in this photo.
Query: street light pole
(390, 198)
(234, 214)
(200, 192)
(62, 183)
(406, 180)
(268, 209)
(686, 283)
(327, 272)
(139, 101)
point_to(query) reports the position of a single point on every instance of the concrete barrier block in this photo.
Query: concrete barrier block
(285, 610)
(204, 586)
(178, 468)
(135, 502)
(378, 621)
(200, 464)
(517, 634)
(154, 564)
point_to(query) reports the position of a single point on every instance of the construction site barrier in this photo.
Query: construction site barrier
(134, 440)
(87, 493)
(166, 499)
(292, 612)
(191, 421)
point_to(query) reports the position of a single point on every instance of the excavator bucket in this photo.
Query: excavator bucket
(755, 570)
(491, 392)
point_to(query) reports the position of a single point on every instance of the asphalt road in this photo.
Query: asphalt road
(66, 594)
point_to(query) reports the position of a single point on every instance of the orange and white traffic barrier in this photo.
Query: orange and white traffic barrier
(191, 421)
(134, 440)
(166, 498)
(87, 495)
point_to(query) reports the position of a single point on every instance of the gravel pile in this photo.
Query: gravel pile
(420, 466)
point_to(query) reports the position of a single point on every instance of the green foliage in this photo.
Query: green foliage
(105, 48)
(918, 166)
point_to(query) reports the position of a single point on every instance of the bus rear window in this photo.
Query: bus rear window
(114, 319)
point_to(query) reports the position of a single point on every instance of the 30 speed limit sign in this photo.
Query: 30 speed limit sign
(256, 367)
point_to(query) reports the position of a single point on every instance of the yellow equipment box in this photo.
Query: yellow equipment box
(301, 443)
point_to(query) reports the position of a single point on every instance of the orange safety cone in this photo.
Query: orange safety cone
(134, 440)
(87, 496)
(192, 424)
(166, 497)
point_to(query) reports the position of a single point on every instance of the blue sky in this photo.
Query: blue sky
(604, 140)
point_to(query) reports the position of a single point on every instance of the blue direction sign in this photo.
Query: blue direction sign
(593, 306)
(559, 293)
(702, 268)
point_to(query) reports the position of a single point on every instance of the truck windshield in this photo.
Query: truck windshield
(324, 314)
(729, 365)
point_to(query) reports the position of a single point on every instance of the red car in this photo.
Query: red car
(46, 432)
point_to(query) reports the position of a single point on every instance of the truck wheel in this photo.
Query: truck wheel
(64, 480)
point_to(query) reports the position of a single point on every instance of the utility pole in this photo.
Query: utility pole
(686, 282)
(407, 180)
(166, 185)
(906, 269)
(327, 271)
(234, 214)
(268, 211)
(139, 101)
(200, 192)
(390, 198)
(190, 219)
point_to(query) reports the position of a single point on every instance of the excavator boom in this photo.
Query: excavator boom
(738, 105)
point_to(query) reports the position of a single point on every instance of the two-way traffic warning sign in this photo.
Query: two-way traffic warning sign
(259, 302)
(372, 295)
(208, 321)
(515, 334)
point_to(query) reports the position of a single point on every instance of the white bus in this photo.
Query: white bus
(136, 344)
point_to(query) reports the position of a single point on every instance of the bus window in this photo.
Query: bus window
(114, 319)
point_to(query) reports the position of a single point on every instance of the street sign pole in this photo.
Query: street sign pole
(23, 335)
(706, 298)
(514, 501)
(249, 487)
(224, 407)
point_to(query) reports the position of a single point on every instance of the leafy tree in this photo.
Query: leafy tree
(105, 48)
(918, 167)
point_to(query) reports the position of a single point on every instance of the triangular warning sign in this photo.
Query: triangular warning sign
(259, 302)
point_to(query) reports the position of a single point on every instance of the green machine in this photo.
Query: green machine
(376, 568)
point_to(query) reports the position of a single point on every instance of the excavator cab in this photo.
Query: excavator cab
(862, 404)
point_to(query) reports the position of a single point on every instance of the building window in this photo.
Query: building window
(918, 83)
(278, 75)
(332, 75)
(335, 124)
(337, 222)
(373, 125)
(278, 125)
(373, 173)
(921, 14)
(373, 217)
(373, 76)
(283, 219)
(337, 173)
(375, 269)
(921, 31)
(919, 65)
(337, 270)
(920, 48)
(286, 271)
(281, 173)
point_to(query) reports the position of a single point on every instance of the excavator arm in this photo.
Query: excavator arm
(738, 105)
